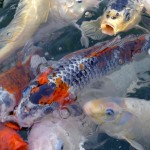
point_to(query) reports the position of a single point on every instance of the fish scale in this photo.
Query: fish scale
(69, 76)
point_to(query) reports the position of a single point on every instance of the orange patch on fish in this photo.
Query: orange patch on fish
(16, 79)
(35, 89)
(60, 94)
(45, 100)
(10, 139)
(12, 125)
(96, 54)
(58, 82)
(43, 77)
(81, 66)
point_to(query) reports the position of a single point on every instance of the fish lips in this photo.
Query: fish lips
(88, 111)
(108, 28)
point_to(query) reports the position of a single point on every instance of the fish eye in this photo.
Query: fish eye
(107, 16)
(62, 147)
(117, 14)
(79, 1)
(109, 112)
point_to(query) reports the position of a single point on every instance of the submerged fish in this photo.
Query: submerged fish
(26, 21)
(30, 15)
(120, 16)
(10, 139)
(59, 85)
(12, 83)
(56, 134)
(146, 5)
(122, 118)
(64, 13)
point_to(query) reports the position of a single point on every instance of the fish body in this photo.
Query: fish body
(12, 83)
(64, 13)
(10, 139)
(26, 21)
(30, 15)
(146, 5)
(59, 85)
(71, 10)
(119, 16)
(122, 118)
(55, 134)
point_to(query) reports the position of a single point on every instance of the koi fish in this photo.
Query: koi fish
(120, 16)
(55, 134)
(122, 118)
(59, 85)
(13, 82)
(146, 5)
(26, 21)
(10, 139)
(64, 13)
(30, 15)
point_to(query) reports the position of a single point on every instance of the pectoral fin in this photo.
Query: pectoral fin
(134, 144)
(142, 28)
(146, 21)
(92, 29)
(84, 39)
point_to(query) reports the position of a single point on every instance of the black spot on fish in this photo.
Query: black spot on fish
(44, 90)
(127, 15)
(119, 5)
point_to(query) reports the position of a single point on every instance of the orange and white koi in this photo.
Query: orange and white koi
(12, 83)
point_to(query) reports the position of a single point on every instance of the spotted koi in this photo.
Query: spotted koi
(60, 84)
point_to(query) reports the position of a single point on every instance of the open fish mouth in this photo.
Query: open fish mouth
(108, 28)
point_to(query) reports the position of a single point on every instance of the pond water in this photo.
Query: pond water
(67, 40)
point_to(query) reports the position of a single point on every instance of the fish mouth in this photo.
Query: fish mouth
(108, 29)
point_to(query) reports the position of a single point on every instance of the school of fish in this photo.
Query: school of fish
(30, 15)
(43, 96)
(59, 85)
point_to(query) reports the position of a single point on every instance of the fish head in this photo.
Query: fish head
(109, 113)
(45, 94)
(114, 21)
(74, 9)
